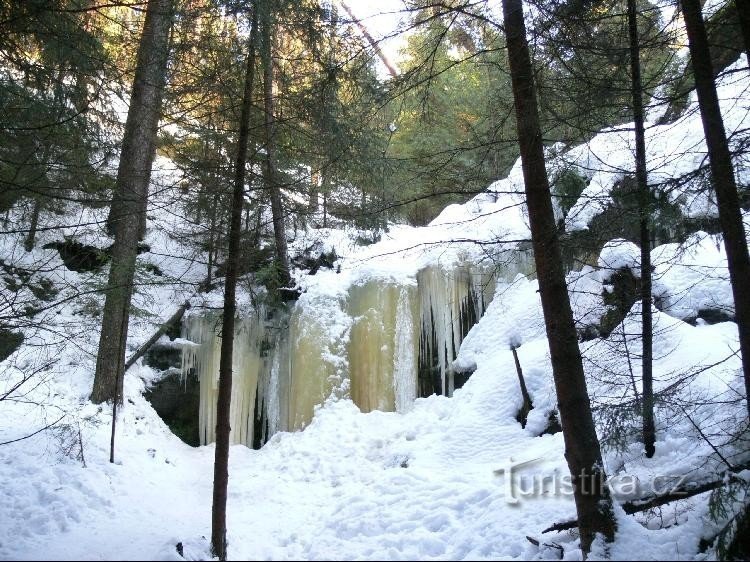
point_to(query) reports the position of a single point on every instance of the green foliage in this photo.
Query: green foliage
(452, 122)
(44, 289)
(728, 507)
(270, 276)
(583, 59)
(667, 221)
(618, 424)
(31, 290)
(9, 342)
(620, 219)
(568, 186)
(90, 306)
(50, 63)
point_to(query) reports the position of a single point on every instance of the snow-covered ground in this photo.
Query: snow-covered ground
(421, 484)
(351, 485)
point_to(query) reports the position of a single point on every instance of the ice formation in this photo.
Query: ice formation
(397, 343)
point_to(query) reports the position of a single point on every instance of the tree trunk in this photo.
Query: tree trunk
(221, 459)
(727, 37)
(527, 405)
(213, 251)
(644, 197)
(743, 9)
(722, 178)
(374, 44)
(582, 452)
(324, 189)
(28, 243)
(131, 189)
(314, 201)
(139, 141)
(171, 321)
(274, 192)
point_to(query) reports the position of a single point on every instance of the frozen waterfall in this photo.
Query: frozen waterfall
(397, 343)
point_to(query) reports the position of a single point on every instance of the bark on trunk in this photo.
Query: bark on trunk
(139, 141)
(743, 9)
(28, 243)
(213, 251)
(174, 319)
(314, 202)
(274, 192)
(221, 459)
(324, 189)
(131, 190)
(593, 502)
(644, 208)
(374, 44)
(722, 178)
(527, 405)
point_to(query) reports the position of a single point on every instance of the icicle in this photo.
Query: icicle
(246, 367)
(373, 308)
(450, 304)
(203, 361)
(385, 346)
(272, 395)
(405, 361)
(382, 349)
(273, 385)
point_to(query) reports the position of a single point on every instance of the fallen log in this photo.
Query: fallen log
(141, 351)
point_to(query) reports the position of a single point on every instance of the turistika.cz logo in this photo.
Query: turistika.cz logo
(622, 487)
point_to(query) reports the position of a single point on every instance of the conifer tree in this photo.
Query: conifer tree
(644, 198)
(722, 178)
(593, 502)
(270, 129)
(127, 215)
(221, 462)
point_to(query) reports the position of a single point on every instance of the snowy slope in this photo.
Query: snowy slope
(422, 484)
(352, 485)
(673, 150)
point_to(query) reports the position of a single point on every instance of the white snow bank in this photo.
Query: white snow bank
(620, 254)
(673, 151)
(692, 277)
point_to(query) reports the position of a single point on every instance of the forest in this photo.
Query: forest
(408, 279)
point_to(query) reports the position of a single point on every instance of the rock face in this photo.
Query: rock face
(175, 397)
(176, 400)
(79, 257)
(83, 257)
(625, 289)
(383, 345)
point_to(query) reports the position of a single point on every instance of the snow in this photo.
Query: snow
(693, 276)
(673, 150)
(620, 254)
(418, 483)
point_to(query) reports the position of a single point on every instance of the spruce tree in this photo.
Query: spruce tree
(644, 199)
(722, 178)
(593, 502)
(223, 406)
(270, 169)
(127, 215)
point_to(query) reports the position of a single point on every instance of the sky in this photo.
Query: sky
(382, 19)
